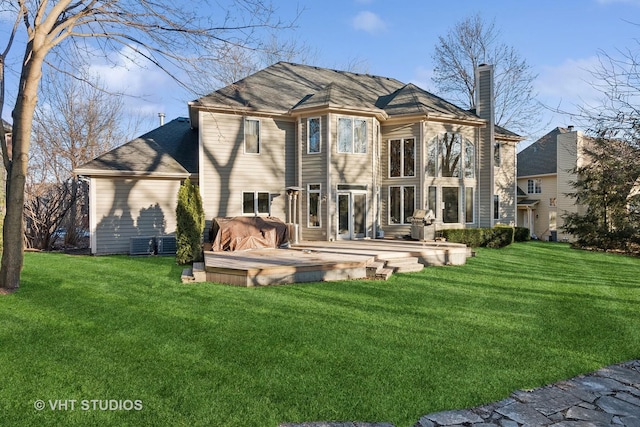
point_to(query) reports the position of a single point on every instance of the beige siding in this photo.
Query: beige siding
(485, 151)
(314, 167)
(126, 208)
(351, 168)
(226, 170)
(402, 131)
(569, 145)
(505, 182)
(541, 213)
(431, 132)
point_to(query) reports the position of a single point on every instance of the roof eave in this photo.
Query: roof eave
(381, 115)
(136, 174)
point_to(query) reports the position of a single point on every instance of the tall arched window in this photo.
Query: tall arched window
(450, 149)
(469, 159)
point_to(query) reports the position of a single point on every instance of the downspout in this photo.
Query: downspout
(93, 194)
(298, 205)
(330, 237)
(374, 175)
(421, 168)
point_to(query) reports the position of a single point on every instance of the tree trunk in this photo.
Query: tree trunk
(13, 231)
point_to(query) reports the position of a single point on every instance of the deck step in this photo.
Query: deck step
(384, 273)
(405, 265)
(409, 268)
(187, 276)
(195, 274)
(373, 268)
(199, 274)
(397, 262)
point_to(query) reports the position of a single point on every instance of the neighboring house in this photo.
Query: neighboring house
(342, 155)
(544, 179)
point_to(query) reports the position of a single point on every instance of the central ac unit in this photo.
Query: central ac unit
(142, 245)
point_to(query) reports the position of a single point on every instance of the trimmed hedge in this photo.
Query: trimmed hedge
(497, 237)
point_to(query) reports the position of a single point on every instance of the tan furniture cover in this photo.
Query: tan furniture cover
(245, 232)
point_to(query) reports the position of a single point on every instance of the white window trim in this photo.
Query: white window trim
(537, 186)
(353, 135)
(402, 140)
(255, 203)
(466, 207)
(319, 136)
(244, 135)
(319, 193)
(402, 219)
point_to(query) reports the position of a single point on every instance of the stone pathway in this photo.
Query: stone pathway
(608, 397)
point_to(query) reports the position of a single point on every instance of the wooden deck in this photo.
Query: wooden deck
(324, 261)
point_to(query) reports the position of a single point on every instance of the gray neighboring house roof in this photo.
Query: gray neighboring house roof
(540, 158)
(285, 88)
(7, 127)
(170, 150)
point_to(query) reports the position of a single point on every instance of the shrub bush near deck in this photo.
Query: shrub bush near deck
(497, 237)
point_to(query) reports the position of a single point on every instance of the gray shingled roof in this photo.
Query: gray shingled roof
(540, 158)
(6, 125)
(284, 87)
(171, 149)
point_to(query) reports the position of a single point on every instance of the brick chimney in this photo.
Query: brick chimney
(485, 109)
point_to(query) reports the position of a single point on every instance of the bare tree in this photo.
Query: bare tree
(234, 62)
(172, 36)
(617, 114)
(473, 42)
(74, 122)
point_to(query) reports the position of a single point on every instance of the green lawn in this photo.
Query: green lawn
(125, 329)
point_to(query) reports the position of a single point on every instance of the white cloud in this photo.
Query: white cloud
(148, 89)
(369, 22)
(422, 78)
(569, 84)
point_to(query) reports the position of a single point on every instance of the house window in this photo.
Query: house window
(552, 202)
(432, 199)
(401, 204)
(445, 156)
(469, 159)
(468, 204)
(313, 205)
(496, 206)
(255, 203)
(402, 157)
(534, 186)
(496, 154)
(432, 158)
(450, 203)
(450, 149)
(313, 135)
(352, 135)
(252, 136)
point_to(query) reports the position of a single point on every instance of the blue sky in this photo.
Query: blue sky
(560, 39)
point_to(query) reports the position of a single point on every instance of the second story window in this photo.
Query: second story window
(402, 157)
(352, 135)
(313, 135)
(534, 186)
(252, 136)
(496, 155)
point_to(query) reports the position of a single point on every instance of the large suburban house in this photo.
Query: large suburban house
(544, 179)
(341, 155)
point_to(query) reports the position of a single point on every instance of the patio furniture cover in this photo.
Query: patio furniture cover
(244, 232)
